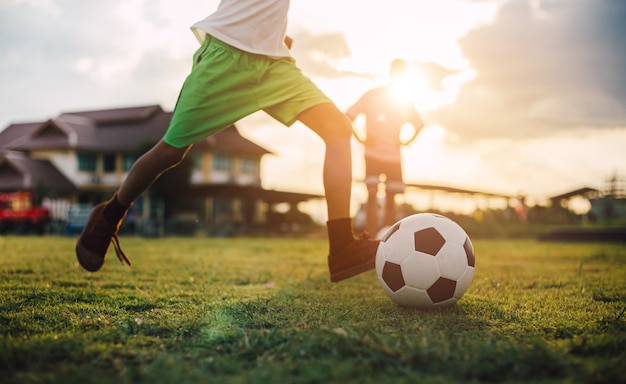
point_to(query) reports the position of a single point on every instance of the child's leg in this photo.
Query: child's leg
(147, 170)
(347, 256)
(332, 126)
(105, 219)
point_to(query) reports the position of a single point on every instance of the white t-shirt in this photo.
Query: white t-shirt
(256, 26)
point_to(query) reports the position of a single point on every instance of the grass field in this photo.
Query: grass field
(240, 310)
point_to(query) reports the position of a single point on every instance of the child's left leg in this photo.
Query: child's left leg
(105, 219)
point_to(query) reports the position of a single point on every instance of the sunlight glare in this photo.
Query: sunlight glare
(431, 136)
(405, 86)
(412, 34)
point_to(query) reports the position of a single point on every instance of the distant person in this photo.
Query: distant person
(243, 66)
(386, 112)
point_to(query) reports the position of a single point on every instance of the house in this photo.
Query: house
(605, 206)
(610, 204)
(82, 157)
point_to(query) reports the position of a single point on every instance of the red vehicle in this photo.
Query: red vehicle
(19, 213)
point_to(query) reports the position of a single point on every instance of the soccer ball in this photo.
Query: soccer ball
(425, 261)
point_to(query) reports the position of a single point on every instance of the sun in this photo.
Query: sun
(407, 84)
(415, 86)
(425, 34)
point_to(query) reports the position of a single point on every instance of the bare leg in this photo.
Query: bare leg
(147, 170)
(372, 209)
(390, 209)
(105, 219)
(335, 129)
(347, 256)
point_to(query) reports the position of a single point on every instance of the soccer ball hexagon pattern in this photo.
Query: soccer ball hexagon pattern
(425, 261)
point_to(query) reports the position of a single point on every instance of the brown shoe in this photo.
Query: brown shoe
(357, 257)
(94, 241)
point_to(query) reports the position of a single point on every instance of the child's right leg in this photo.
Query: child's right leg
(106, 218)
(347, 256)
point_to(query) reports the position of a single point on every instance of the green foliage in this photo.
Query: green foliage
(263, 311)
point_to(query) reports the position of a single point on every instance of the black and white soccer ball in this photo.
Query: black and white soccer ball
(425, 261)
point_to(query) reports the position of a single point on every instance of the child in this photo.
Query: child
(243, 66)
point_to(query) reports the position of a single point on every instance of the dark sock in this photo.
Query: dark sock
(114, 211)
(339, 234)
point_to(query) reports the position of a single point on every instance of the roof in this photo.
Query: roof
(111, 130)
(585, 192)
(230, 140)
(105, 117)
(103, 130)
(456, 190)
(19, 172)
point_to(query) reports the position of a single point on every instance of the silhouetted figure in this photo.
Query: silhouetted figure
(386, 111)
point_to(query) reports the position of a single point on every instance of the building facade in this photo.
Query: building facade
(83, 157)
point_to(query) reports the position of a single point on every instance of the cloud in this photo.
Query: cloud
(318, 54)
(543, 83)
(69, 55)
(541, 67)
(434, 73)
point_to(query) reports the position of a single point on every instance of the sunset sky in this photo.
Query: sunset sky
(518, 96)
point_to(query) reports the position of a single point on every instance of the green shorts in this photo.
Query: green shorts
(227, 84)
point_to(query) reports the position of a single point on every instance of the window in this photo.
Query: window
(249, 165)
(128, 161)
(87, 162)
(222, 161)
(108, 163)
(196, 157)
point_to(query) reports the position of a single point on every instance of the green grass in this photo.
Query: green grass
(263, 311)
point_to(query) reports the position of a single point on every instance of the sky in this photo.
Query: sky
(518, 96)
